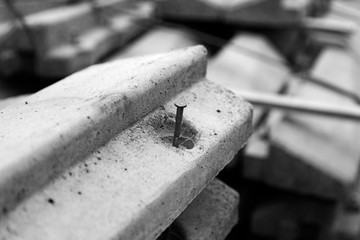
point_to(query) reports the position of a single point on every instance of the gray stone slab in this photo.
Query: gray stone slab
(212, 214)
(105, 98)
(100, 164)
(157, 40)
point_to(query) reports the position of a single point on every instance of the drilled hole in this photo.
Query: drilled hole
(164, 126)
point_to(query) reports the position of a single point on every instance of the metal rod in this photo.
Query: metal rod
(300, 105)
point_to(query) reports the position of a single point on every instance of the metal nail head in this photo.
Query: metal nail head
(178, 121)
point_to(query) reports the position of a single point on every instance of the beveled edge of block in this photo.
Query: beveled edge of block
(61, 124)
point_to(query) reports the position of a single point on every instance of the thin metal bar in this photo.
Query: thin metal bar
(178, 122)
(299, 105)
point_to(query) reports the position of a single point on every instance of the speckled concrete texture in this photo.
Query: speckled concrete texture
(212, 214)
(61, 124)
(137, 184)
(84, 170)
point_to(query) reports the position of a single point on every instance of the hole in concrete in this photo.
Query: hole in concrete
(185, 142)
(164, 126)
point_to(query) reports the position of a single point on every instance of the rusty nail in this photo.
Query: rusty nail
(178, 120)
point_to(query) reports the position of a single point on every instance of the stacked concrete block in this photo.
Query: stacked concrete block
(212, 214)
(94, 158)
(68, 38)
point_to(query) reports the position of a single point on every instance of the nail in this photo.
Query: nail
(178, 120)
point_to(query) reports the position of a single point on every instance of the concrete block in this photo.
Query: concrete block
(55, 26)
(93, 155)
(88, 84)
(12, 100)
(92, 45)
(315, 154)
(212, 214)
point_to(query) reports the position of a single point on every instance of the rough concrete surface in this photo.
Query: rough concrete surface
(88, 46)
(266, 12)
(12, 100)
(61, 123)
(80, 171)
(212, 214)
